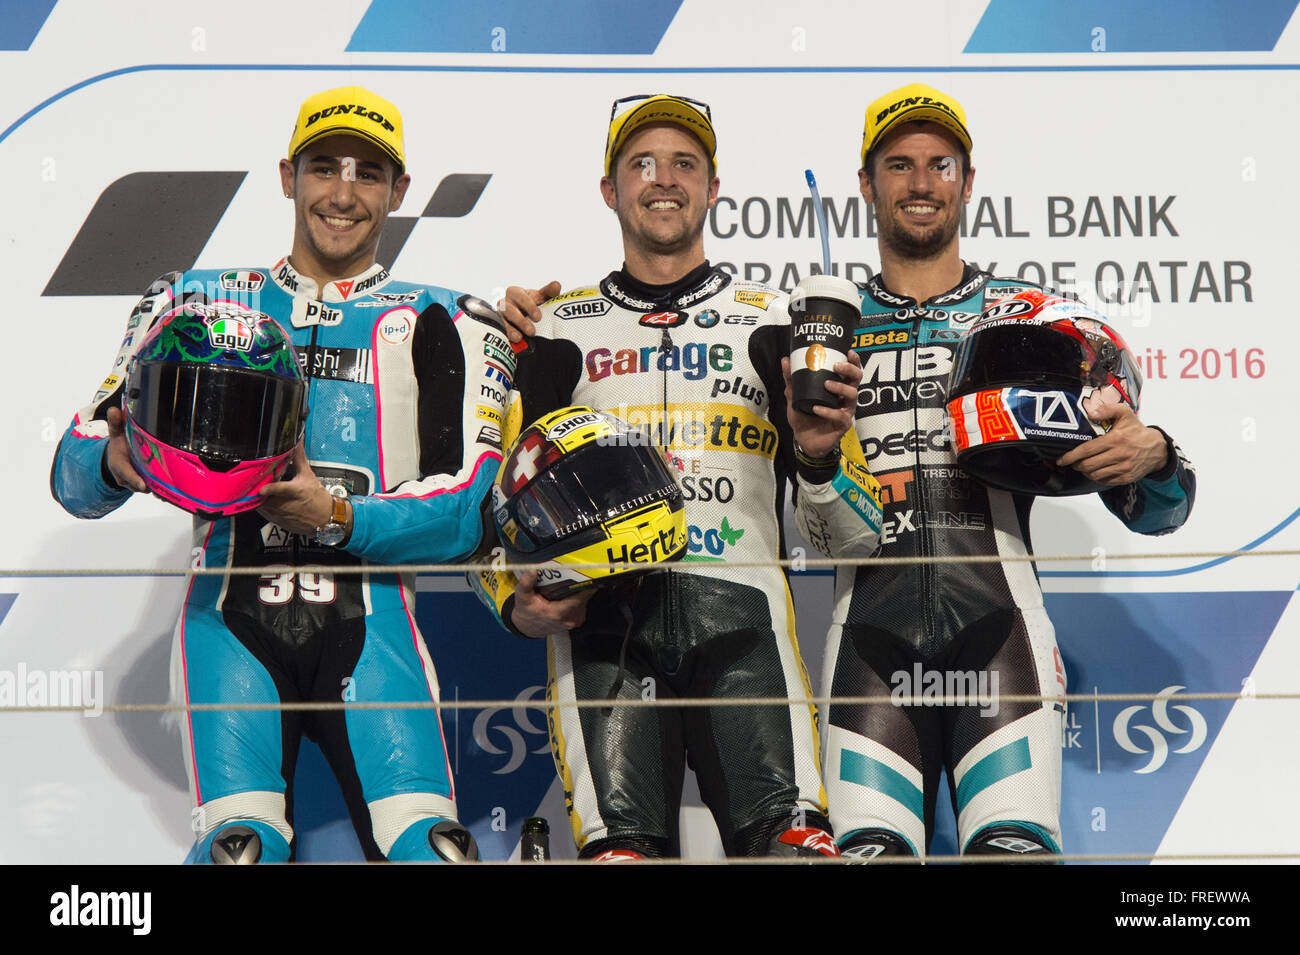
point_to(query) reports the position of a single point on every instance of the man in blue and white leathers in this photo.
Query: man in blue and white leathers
(401, 445)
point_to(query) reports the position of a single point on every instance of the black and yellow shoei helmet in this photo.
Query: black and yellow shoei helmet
(578, 486)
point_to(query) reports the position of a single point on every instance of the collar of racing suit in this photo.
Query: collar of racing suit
(971, 281)
(695, 286)
(295, 283)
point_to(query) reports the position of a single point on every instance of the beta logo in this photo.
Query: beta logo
(231, 334)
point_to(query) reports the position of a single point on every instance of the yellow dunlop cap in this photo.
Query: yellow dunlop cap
(913, 103)
(632, 112)
(351, 110)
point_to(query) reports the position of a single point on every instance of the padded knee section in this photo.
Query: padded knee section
(434, 840)
(240, 842)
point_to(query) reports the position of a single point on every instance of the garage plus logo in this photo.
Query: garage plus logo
(1159, 749)
(149, 223)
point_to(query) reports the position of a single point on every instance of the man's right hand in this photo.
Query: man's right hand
(519, 308)
(117, 457)
(536, 616)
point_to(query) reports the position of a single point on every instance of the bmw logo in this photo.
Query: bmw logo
(707, 318)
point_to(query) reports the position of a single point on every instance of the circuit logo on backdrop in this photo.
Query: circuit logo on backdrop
(148, 223)
(1159, 746)
(514, 735)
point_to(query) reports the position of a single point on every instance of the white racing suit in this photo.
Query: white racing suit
(696, 365)
(893, 625)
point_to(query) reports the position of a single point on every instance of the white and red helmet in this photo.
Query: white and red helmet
(1019, 379)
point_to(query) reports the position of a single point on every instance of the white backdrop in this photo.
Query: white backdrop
(1201, 139)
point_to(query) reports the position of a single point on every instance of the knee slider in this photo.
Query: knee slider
(1009, 839)
(241, 842)
(434, 840)
(867, 844)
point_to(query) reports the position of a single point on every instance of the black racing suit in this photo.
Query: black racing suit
(710, 370)
(965, 623)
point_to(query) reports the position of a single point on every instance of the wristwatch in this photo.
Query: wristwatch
(339, 526)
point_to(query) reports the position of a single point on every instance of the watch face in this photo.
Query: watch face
(331, 534)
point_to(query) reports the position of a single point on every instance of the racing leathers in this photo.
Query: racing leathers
(895, 629)
(696, 366)
(405, 390)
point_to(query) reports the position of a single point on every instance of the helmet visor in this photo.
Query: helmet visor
(222, 414)
(568, 497)
(1021, 354)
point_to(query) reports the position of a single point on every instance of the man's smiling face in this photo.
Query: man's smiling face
(343, 189)
(661, 186)
(918, 189)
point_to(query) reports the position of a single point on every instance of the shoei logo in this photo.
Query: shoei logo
(1159, 747)
(230, 333)
(571, 423)
(583, 309)
(514, 736)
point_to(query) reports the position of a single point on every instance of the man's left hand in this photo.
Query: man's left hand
(300, 504)
(1126, 453)
(819, 433)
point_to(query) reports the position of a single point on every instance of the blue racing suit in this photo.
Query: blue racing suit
(405, 391)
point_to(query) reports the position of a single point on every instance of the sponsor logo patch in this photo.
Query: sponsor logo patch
(583, 309)
(395, 327)
(230, 333)
(663, 320)
(760, 299)
(242, 281)
(571, 423)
